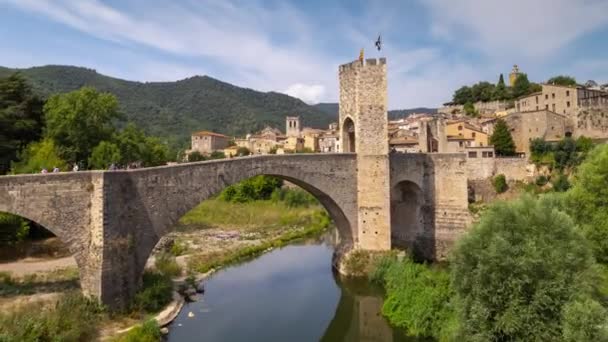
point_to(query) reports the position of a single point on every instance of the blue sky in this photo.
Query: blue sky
(295, 47)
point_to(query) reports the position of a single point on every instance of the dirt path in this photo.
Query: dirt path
(30, 265)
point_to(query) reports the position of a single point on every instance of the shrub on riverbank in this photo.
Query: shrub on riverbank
(155, 294)
(149, 331)
(72, 318)
(418, 297)
(166, 265)
(517, 270)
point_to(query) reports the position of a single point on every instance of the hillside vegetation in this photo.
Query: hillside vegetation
(174, 109)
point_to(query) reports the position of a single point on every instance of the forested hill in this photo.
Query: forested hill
(174, 109)
(333, 108)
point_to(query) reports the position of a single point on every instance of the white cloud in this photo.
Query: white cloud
(310, 94)
(518, 27)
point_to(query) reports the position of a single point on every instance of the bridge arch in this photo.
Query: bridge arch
(144, 205)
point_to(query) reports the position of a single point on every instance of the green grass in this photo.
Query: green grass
(256, 215)
(149, 331)
(72, 318)
(54, 281)
(317, 223)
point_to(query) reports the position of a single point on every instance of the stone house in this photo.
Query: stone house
(527, 126)
(207, 142)
(464, 131)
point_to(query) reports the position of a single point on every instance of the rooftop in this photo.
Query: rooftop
(209, 133)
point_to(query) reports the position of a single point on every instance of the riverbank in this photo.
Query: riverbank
(214, 234)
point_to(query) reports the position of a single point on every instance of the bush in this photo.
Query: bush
(196, 156)
(561, 184)
(515, 271)
(500, 183)
(541, 180)
(252, 189)
(418, 299)
(380, 268)
(73, 318)
(585, 320)
(156, 293)
(13, 229)
(357, 263)
(166, 265)
(586, 201)
(147, 332)
(178, 248)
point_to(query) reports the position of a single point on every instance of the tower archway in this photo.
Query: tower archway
(348, 135)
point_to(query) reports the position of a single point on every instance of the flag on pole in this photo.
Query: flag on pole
(379, 43)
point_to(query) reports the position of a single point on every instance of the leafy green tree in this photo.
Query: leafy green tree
(500, 92)
(502, 139)
(565, 154)
(500, 183)
(195, 156)
(13, 229)
(21, 118)
(584, 144)
(463, 95)
(469, 109)
(217, 155)
(79, 120)
(517, 269)
(562, 80)
(521, 86)
(539, 147)
(38, 156)
(561, 183)
(252, 189)
(588, 199)
(136, 147)
(104, 155)
(585, 320)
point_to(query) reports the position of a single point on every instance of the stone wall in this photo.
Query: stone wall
(514, 169)
(444, 214)
(363, 99)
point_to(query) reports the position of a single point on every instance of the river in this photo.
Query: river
(289, 294)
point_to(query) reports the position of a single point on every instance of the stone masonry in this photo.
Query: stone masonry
(363, 92)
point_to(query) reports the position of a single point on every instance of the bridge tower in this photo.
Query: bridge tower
(364, 130)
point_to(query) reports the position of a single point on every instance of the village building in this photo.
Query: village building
(463, 131)
(528, 126)
(207, 142)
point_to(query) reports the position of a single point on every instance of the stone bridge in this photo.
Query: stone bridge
(111, 220)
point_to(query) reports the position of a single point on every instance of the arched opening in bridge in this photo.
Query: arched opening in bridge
(33, 260)
(410, 220)
(348, 135)
(244, 219)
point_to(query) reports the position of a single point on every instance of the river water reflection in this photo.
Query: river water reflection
(289, 294)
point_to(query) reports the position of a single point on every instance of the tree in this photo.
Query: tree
(469, 109)
(587, 200)
(195, 156)
(502, 139)
(562, 80)
(521, 86)
(21, 118)
(79, 120)
(463, 95)
(500, 92)
(104, 155)
(38, 156)
(517, 269)
(136, 147)
(500, 183)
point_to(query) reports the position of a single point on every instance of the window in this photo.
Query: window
(460, 128)
(568, 104)
(460, 143)
(567, 92)
(547, 107)
(553, 106)
(536, 107)
(487, 154)
(546, 96)
(473, 134)
(536, 100)
(473, 154)
(530, 130)
(553, 95)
